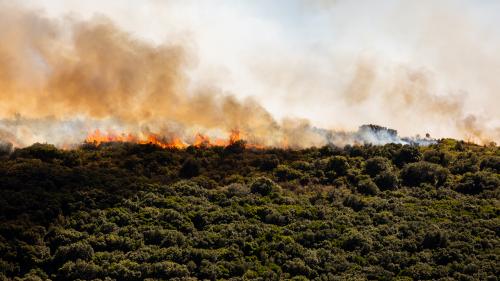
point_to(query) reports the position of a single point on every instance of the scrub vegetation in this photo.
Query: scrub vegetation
(124, 211)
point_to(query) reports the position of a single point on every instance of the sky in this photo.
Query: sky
(416, 66)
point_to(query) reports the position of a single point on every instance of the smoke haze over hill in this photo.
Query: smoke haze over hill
(64, 75)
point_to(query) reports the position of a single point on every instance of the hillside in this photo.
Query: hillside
(124, 211)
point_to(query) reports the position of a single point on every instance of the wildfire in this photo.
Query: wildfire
(97, 137)
(234, 137)
(200, 140)
(162, 142)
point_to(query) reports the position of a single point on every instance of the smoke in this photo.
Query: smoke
(422, 67)
(63, 78)
(79, 74)
(411, 97)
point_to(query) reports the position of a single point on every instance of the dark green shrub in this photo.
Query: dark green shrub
(237, 178)
(407, 154)
(167, 270)
(284, 173)
(354, 202)
(236, 189)
(44, 152)
(79, 270)
(435, 239)
(73, 252)
(190, 168)
(297, 267)
(60, 236)
(419, 271)
(236, 147)
(387, 180)
(437, 157)
(263, 186)
(376, 165)
(189, 188)
(126, 270)
(354, 240)
(269, 163)
(491, 163)
(338, 164)
(465, 163)
(301, 165)
(367, 187)
(415, 174)
(475, 183)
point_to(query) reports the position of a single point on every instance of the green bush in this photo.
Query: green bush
(237, 147)
(264, 186)
(491, 163)
(376, 165)
(367, 187)
(437, 157)
(475, 183)
(285, 173)
(237, 189)
(407, 154)
(465, 163)
(73, 252)
(338, 164)
(167, 270)
(79, 270)
(387, 180)
(268, 163)
(354, 240)
(435, 239)
(190, 168)
(415, 174)
(44, 152)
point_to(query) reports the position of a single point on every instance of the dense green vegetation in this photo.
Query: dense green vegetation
(124, 211)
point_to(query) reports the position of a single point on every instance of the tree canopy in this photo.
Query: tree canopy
(123, 211)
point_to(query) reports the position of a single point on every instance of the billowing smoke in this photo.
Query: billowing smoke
(62, 79)
(424, 66)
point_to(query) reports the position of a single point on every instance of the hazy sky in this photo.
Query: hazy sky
(417, 66)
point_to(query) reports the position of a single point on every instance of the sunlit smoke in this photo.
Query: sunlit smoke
(65, 81)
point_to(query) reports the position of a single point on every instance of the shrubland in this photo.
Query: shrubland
(124, 211)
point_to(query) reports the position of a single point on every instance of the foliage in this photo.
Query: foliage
(190, 168)
(263, 186)
(338, 164)
(415, 174)
(122, 211)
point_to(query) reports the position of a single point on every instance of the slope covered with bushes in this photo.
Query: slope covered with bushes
(124, 211)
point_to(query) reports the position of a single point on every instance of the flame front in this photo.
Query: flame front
(97, 137)
(200, 140)
(234, 137)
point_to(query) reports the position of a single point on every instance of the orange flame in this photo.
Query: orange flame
(235, 136)
(284, 143)
(98, 138)
(162, 142)
(200, 140)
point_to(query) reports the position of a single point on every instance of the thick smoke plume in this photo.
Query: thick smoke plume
(61, 80)
(79, 75)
